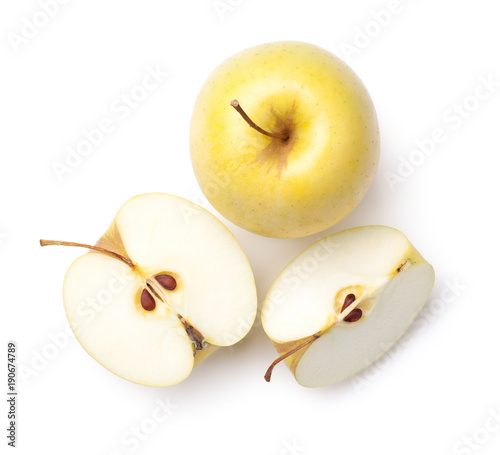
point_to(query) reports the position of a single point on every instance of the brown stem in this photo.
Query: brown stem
(269, 371)
(90, 247)
(236, 105)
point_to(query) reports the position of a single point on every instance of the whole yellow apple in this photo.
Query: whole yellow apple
(284, 139)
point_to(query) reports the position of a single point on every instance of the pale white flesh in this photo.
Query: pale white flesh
(215, 290)
(364, 261)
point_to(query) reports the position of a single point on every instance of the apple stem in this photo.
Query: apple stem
(90, 247)
(269, 371)
(236, 105)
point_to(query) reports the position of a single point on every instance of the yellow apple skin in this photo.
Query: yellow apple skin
(289, 188)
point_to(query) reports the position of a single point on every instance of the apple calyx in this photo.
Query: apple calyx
(349, 313)
(283, 136)
(194, 335)
(149, 294)
(405, 264)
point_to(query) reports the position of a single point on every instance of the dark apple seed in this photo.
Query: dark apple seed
(167, 281)
(348, 300)
(354, 315)
(147, 301)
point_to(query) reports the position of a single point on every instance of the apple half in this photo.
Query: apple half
(163, 288)
(343, 302)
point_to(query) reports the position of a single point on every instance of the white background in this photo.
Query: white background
(428, 395)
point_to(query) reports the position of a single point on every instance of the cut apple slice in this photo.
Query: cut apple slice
(344, 301)
(164, 287)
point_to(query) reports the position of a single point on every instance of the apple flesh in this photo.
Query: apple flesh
(322, 152)
(164, 287)
(365, 287)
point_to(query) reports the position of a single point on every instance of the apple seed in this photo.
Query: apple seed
(354, 315)
(147, 301)
(348, 300)
(167, 281)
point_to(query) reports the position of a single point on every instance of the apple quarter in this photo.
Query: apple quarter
(367, 286)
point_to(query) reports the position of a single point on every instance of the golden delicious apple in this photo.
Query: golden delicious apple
(284, 139)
